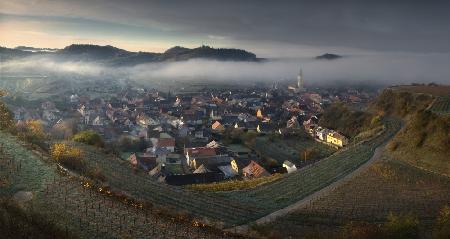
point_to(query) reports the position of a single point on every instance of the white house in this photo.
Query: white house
(290, 167)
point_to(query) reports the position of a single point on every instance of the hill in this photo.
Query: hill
(328, 56)
(114, 56)
(424, 142)
(347, 121)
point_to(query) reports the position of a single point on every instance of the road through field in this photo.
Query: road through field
(307, 200)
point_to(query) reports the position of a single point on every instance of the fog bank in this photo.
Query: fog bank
(379, 69)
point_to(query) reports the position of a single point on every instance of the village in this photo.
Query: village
(206, 136)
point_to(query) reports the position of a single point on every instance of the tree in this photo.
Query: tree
(31, 131)
(401, 226)
(88, 137)
(6, 117)
(362, 230)
(68, 156)
(441, 228)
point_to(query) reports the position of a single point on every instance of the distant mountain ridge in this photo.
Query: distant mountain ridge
(111, 55)
(328, 56)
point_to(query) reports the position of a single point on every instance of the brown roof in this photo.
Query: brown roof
(201, 151)
(166, 142)
(255, 170)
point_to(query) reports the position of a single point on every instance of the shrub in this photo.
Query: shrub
(31, 131)
(441, 228)
(401, 226)
(68, 156)
(96, 174)
(89, 137)
(362, 230)
(6, 117)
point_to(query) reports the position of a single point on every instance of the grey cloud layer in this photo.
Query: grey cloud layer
(412, 26)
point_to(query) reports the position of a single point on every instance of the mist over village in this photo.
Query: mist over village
(224, 119)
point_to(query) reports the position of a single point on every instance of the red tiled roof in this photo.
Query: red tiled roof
(255, 169)
(201, 151)
(166, 142)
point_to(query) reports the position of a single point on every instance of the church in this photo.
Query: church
(300, 87)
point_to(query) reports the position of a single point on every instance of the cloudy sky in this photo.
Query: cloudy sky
(268, 28)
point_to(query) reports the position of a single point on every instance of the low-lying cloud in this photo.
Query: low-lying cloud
(378, 69)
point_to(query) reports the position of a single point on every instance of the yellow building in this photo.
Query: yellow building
(337, 139)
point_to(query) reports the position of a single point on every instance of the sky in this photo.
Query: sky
(267, 28)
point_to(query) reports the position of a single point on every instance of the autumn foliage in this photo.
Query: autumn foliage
(68, 156)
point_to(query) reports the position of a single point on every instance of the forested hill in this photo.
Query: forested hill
(110, 55)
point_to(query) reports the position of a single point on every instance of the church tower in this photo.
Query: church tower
(300, 80)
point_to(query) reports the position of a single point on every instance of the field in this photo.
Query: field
(76, 208)
(387, 186)
(291, 149)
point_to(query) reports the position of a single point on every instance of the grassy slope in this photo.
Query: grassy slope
(424, 142)
(387, 186)
(63, 202)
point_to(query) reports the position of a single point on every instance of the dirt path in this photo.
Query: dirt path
(307, 200)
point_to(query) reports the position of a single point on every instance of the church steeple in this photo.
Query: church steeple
(300, 80)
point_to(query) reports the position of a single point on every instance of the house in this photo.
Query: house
(322, 133)
(19, 114)
(336, 139)
(292, 123)
(167, 143)
(213, 144)
(228, 171)
(49, 115)
(173, 158)
(254, 170)
(290, 167)
(202, 169)
(158, 172)
(145, 161)
(239, 151)
(97, 121)
(211, 162)
(192, 153)
(74, 99)
(259, 114)
(217, 126)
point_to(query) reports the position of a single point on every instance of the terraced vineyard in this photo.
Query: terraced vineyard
(290, 149)
(294, 187)
(79, 210)
(388, 186)
(441, 105)
(120, 176)
(87, 213)
(238, 207)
